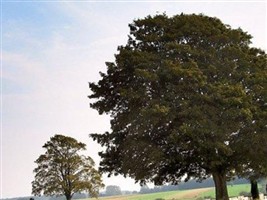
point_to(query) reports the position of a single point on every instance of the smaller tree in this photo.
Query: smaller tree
(62, 170)
(144, 189)
(263, 185)
(113, 190)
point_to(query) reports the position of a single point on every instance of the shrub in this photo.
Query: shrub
(244, 193)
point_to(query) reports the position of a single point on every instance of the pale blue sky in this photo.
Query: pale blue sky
(52, 49)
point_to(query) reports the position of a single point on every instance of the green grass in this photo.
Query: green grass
(233, 191)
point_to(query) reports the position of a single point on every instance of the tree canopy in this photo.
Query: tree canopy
(187, 98)
(62, 170)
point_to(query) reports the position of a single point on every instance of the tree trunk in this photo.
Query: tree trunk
(254, 189)
(68, 196)
(220, 186)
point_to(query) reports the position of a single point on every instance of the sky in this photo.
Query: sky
(50, 50)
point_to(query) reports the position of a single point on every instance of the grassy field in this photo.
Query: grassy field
(233, 191)
(180, 195)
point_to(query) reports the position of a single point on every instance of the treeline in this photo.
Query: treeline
(75, 196)
(112, 190)
(191, 184)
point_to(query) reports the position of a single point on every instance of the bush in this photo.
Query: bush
(245, 194)
(207, 197)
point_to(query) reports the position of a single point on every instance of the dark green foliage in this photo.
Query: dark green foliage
(187, 97)
(63, 171)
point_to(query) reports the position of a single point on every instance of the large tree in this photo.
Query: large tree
(184, 94)
(62, 170)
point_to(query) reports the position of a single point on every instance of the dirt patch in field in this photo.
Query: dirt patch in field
(190, 194)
